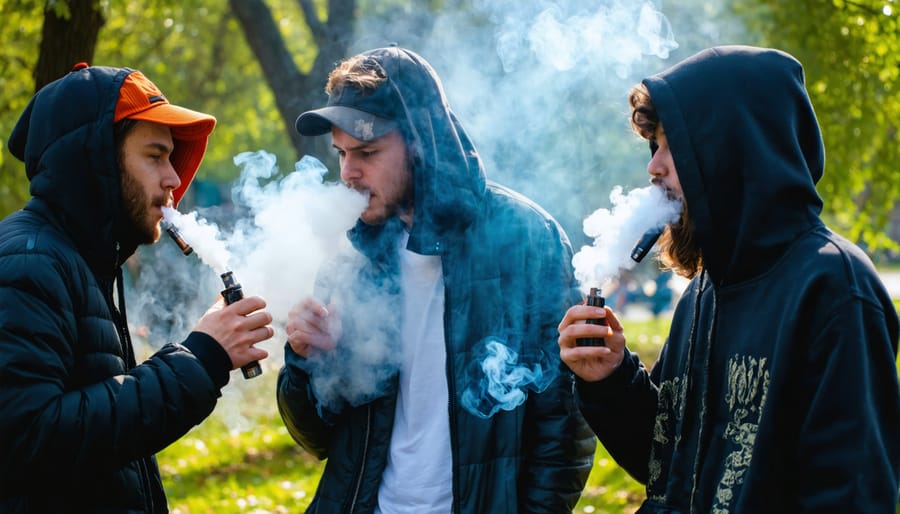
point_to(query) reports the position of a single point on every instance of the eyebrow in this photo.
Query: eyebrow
(353, 148)
(160, 146)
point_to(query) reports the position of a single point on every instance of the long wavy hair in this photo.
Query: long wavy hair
(678, 248)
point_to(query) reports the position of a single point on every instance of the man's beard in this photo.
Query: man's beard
(137, 205)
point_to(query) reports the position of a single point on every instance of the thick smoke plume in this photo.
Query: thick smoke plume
(540, 86)
(560, 75)
(615, 232)
(275, 236)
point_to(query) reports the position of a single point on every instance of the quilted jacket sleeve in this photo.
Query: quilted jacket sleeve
(298, 406)
(560, 446)
(68, 403)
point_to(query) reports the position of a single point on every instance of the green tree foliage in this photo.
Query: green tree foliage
(851, 53)
(20, 34)
(197, 52)
(193, 49)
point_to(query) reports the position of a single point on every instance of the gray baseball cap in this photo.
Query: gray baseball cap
(365, 115)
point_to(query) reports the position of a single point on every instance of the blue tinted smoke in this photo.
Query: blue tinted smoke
(496, 380)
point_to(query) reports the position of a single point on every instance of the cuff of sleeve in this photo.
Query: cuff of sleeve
(212, 356)
(298, 376)
(613, 384)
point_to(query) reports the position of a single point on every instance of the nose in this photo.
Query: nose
(656, 168)
(170, 178)
(349, 170)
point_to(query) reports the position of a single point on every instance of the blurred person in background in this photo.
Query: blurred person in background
(776, 391)
(463, 260)
(80, 419)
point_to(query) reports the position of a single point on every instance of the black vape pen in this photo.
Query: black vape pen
(646, 242)
(594, 299)
(231, 294)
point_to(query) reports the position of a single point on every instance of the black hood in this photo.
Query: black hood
(65, 138)
(748, 152)
(448, 174)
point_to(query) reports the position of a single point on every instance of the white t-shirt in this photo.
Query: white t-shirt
(418, 477)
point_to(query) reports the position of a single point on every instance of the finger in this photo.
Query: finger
(578, 313)
(612, 320)
(248, 305)
(313, 306)
(583, 357)
(582, 330)
(256, 354)
(583, 353)
(260, 334)
(256, 320)
(299, 348)
(319, 320)
(568, 319)
(302, 340)
(310, 313)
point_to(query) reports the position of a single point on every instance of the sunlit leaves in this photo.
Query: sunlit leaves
(851, 53)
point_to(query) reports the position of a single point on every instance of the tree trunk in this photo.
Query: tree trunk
(295, 91)
(67, 38)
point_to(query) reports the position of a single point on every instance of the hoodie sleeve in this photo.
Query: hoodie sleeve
(621, 410)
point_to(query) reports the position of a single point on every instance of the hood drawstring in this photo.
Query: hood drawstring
(122, 320)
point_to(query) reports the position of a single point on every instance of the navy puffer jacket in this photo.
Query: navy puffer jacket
(80, 421)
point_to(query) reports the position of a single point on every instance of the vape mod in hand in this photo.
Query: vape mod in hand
(231, 294)
(594, 299)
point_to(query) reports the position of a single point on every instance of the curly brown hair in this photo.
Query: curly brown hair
(644, 118)
(678, 248)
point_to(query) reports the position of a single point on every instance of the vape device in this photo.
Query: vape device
(231, 294)
(176, 236)
(646, 242)
(594, 299)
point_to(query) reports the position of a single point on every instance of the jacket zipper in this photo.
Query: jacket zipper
(362, 468)
(701, 414)
(451, 391)
(130, 361)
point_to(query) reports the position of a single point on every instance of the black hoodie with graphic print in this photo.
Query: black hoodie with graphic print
(776, 391)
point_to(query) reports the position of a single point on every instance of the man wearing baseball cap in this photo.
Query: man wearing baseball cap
(80, 419)
(464, 269)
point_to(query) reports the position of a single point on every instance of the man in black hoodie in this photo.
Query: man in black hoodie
(80, 419)
(776, 391)
(460, 267)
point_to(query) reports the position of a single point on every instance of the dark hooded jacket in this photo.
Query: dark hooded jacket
(776, 391)
(79, 420)
(507, 274)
